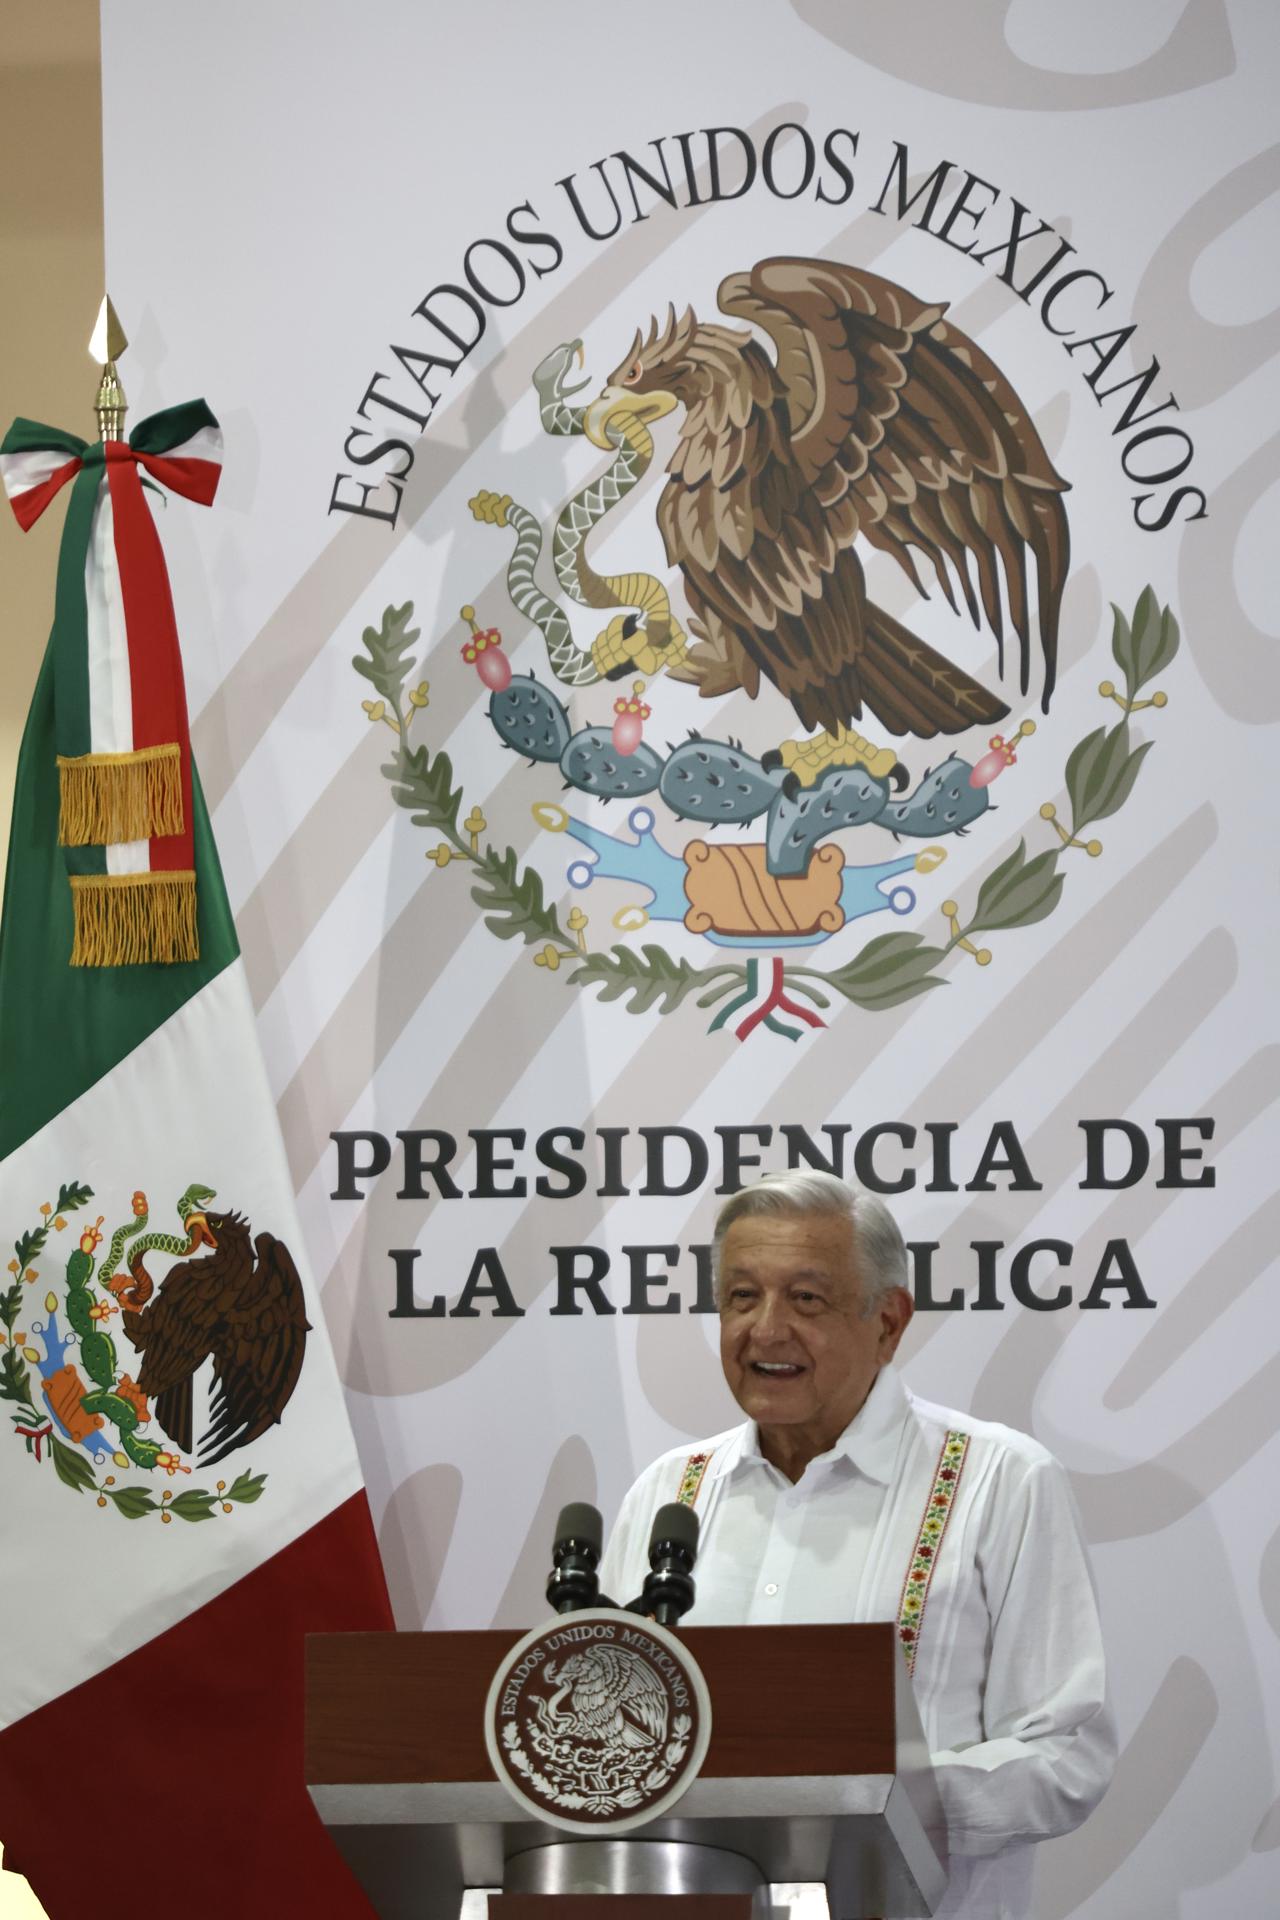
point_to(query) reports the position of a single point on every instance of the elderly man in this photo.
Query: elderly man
(846, 1498)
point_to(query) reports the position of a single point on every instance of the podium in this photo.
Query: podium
(817, 1771)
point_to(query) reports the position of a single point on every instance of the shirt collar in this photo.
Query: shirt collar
(869, 1442)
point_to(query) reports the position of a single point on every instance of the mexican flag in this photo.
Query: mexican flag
(180, 1498)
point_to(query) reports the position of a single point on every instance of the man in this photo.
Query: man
(846, 1498)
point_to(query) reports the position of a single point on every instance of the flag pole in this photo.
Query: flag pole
(106, 345)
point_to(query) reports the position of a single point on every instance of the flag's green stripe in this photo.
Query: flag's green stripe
(85, 859)
(30, 436)
(71, 616)
(171, 427)
(63, 1027)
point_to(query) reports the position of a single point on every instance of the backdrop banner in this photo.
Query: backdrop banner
(737, 636)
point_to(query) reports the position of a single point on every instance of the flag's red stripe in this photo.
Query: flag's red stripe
(28, 506)
(196, 479)
(155, 660)
(172, 1783)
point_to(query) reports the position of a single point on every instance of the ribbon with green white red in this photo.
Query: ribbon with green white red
(766, 1004)
(120, 713)
(915, 1588)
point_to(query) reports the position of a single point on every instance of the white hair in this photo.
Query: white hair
(878, 1244)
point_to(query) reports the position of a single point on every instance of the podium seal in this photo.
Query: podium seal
(597, 1721)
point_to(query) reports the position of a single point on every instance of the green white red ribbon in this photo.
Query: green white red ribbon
(120, 700)
(768, 1005)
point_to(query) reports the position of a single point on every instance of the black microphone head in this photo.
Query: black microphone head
(674, 1526)
(575, 1557)
(582, 1524)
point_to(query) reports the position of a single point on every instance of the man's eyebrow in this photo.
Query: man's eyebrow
(806, 1274)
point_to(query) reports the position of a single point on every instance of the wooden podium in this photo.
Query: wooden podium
(817, 1770)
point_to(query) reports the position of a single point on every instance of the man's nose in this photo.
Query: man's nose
(772, 1322)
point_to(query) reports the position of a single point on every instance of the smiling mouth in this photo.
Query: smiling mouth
(777, 1369)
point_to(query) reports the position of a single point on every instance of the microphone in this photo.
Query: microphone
(673, 1546)
(574, 1559)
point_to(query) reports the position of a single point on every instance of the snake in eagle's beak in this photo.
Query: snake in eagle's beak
(614, 404)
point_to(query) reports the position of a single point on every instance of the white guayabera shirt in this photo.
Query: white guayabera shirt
(1009, 1676)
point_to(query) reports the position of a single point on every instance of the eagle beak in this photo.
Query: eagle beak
(614, 404)
(198, 1226)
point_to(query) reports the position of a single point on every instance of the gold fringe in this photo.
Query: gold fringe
(125, 919)
(107, 798)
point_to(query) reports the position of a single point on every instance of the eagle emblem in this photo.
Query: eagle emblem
(598, 1721)
(615, 1698)
(878, 420)
(238, 1303)
(842, 416)
(111, 1423)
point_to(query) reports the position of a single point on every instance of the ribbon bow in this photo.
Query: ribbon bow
(120, 710)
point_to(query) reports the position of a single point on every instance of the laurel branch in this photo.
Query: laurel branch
(608, 1783)
(1024, 888)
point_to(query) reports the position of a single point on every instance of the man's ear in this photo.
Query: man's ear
(895, 1310)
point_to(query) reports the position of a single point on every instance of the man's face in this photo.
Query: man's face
(796, 1350)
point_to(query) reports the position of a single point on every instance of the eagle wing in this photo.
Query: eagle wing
(595, 1687)
(258, 1349)
(175, 1335)
(765, 575)
(905, 431)
(610, 1687)
(645, 1700)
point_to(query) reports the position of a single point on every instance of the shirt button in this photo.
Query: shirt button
(772, 1588)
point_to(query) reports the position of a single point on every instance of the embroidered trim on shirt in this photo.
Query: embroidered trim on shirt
(691, 1479)
(915, 1588)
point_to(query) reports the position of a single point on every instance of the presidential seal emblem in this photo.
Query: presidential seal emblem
(597, 1721)
(864, 425)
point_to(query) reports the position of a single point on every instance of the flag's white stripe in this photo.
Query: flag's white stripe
(189, 1104)
(204, 445)
(129, 856)
(110, 687)
(23, 471)
(110, 682)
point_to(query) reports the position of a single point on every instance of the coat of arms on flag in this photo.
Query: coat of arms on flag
(227, 1298)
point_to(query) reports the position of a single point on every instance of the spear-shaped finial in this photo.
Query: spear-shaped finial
(106, 346)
